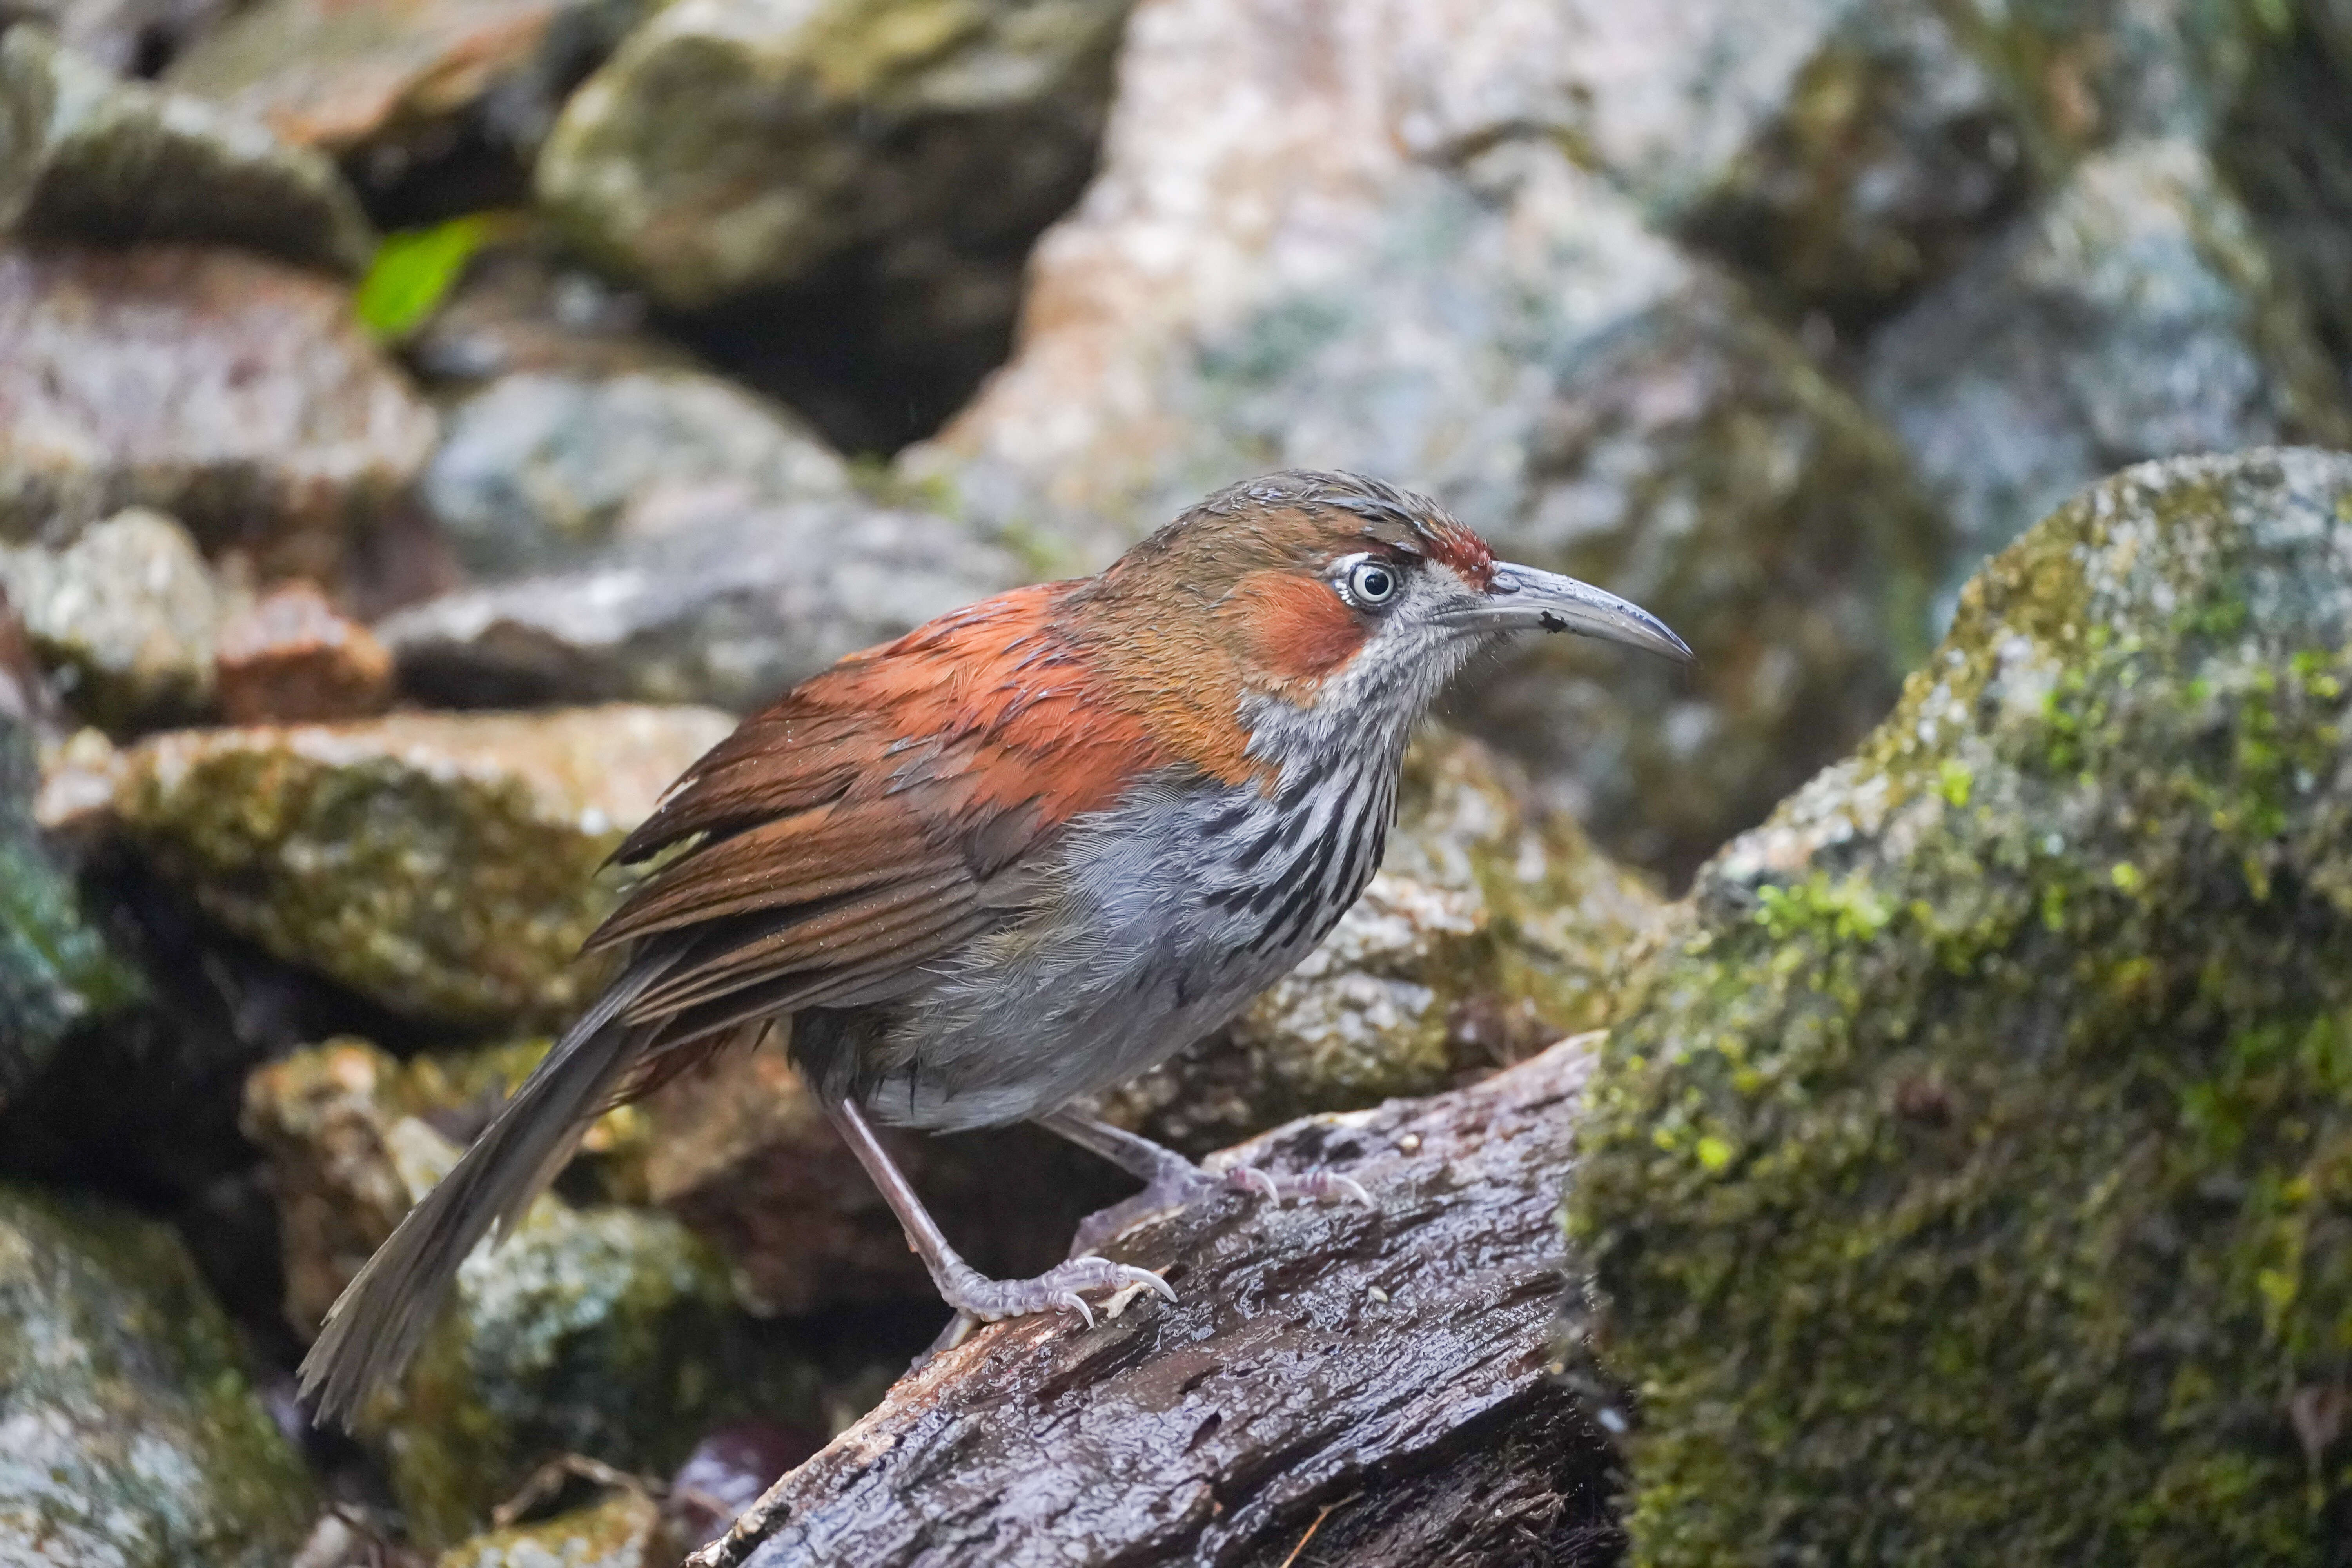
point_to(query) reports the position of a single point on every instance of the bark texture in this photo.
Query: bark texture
(1382, 1377)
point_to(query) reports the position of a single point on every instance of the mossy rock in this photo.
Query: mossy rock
(133, 1438)
(1970, 1179)
(447, 866)
(326, 1118)
(126, 619)
(618, 1531)
(57, 972)
(122, 162)
(608, 1333)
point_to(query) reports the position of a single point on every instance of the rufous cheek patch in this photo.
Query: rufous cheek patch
(1297, 628)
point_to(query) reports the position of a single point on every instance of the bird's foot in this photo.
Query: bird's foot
(979, 1299)
(989, 1300)
(1179, 1183)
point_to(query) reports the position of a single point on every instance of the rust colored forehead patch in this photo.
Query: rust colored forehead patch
(1454, 546)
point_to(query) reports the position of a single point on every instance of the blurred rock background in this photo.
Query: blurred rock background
(423, 423)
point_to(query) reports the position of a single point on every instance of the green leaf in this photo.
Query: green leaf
(414, 269)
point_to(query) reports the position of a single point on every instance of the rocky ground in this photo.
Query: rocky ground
(423, 425)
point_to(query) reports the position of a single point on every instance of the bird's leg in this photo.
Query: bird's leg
(975, 1297)
(1170, 1180)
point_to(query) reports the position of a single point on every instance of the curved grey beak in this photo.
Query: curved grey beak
(1521, 598)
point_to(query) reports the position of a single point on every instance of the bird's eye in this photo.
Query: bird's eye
(1370, 584)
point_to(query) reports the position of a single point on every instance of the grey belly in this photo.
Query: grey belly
(1161, 925)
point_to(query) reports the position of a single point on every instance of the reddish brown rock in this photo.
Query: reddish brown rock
(396, 75)
(235, 394)
(293, 659)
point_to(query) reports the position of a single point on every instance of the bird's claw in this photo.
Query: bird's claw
(1318, 1185)
(993, 1301)
(1245, 1178)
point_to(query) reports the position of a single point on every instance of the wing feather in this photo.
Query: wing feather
(874, 820)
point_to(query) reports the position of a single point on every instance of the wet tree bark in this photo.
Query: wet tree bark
(1335, 1384)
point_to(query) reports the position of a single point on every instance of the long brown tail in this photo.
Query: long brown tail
(376, 1324)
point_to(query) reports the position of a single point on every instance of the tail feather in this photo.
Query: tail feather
(377, 1323)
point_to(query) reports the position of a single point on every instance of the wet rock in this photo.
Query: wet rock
(134, 1435)
(393, 85)
(237, 394)
(125, 616)
(1508, 336)
(1988, 1105)
(736, 144)
(2135, 315)
(89, 158)
(292, 659)
(522, 307)
(699, 600)
(2286, 151)
(1492, 930)
(127, 37)
(535, 471)
(57, 972)
(1891, 151)
(609, 1333)
(618, 1533)
(445, 867)
(2087, 74)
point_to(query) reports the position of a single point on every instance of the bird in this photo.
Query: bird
(1022, 853)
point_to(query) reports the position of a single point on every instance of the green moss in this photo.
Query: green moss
(448, 866)
(56, 973)
(617, 1533)
(135, 1438)
(608, 1333)
(1971, 1180)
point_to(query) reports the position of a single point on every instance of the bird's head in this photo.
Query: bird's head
(1339, 598)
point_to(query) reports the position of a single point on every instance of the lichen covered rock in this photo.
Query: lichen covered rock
(1880, 161)
(86, 157)
(1492, 930)
(2133, 315)
(445, 866)
(536, 470)
(1968, 1180)
(617, 1533)
(393, 84)
(238, 395)
(57, 972)
(699, 597)
(327, 1115)
(126, 617)
(732, 144)
(133, 1435)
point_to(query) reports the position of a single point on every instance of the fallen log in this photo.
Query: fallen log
(1335, 1384)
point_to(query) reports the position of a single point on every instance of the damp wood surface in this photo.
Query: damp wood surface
(1381, 1377)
